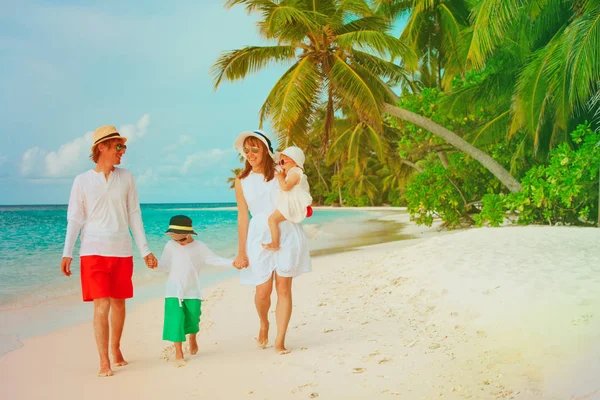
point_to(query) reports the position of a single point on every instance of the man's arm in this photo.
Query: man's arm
(134, 217)
(75, 219)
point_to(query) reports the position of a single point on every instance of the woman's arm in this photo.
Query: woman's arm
(241, 261)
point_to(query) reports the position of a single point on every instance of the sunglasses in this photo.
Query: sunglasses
(120, 147)
(247, 150)
(181, 240)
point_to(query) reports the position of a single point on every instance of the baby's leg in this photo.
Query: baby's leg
(274, 221)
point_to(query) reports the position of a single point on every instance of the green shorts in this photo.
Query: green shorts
(181, 320)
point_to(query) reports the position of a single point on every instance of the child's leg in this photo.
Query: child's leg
(274, 221)
(192, 309)
(178, 351)
(193, 343)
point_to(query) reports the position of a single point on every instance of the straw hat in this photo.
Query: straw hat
(105, 133)
(239, 142)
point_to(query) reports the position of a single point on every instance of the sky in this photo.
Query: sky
(68, 67)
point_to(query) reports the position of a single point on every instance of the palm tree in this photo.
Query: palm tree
(551, 50)
(339, 50)
(433, 30)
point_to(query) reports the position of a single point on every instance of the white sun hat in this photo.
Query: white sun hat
(260, 135)
(295, 153)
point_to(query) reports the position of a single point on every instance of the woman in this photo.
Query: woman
(255, 190)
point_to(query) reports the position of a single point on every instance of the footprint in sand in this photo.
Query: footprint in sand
(358, 370)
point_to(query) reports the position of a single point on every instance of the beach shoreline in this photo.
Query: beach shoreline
(483, 313)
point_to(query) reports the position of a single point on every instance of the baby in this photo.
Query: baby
(293, 197)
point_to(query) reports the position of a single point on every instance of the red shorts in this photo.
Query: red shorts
(106, 277)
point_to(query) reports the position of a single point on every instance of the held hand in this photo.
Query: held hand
(151, 261)
(241, 261)
(65, 266)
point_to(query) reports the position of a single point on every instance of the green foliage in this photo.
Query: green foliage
(563, 191)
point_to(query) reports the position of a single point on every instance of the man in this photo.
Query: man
(103, 206)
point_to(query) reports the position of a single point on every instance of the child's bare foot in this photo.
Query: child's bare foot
(118, 359)
(271, 246)
(193, 344)
(180, 363)
(263, 336)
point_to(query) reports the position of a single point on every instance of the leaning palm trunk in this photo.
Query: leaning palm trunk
(488, 162)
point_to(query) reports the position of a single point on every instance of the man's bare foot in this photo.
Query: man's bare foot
(193, 344)
(270, 246)
(263, 336)
(118, 359)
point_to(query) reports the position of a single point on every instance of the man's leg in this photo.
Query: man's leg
(262, 301)
(283, 311)
(117, 321)
(101, 311)
(274, 220)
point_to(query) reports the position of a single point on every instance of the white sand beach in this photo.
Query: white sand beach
(508, 313)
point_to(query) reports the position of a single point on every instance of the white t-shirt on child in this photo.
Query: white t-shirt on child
(184, 264)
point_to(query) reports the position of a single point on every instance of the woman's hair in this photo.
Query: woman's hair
(95, 155)
(268, 164)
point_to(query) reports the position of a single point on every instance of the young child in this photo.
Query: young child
(183, 257)
(293, 197)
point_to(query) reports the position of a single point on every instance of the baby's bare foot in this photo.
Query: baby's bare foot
(270, 246)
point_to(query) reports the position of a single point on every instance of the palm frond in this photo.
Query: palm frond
(490, 21)
(583, 60)
(381, 43)
(359, 88)
(293, 97)
(236, 64)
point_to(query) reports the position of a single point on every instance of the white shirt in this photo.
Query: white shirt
(184, 264)
(104, 210)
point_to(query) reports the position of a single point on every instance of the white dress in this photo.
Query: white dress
(292, 258)
(292, 204)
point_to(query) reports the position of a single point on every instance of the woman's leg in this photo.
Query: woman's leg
(274, 221)
(262, 300)
(283, 311)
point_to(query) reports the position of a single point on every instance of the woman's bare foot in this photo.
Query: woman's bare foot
(280, 347)
(270, 246)
(193, 344)
(118, 359)
(105, 370)
(281, 350)
(263, 336)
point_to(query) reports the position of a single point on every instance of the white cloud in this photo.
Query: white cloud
(199, 165)
(72, 157)
(199, 162)
(137, 131)
(30, 162)
(183, 140)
